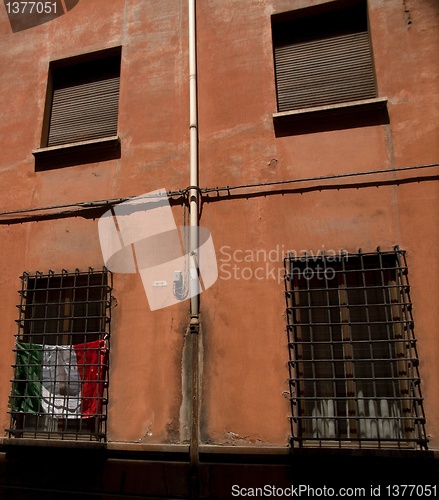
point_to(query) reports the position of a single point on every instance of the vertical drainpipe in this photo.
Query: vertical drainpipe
(193, 192)
(193, 247)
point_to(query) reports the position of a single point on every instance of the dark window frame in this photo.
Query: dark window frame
(60, 383)
(354, 377)
(90, 80)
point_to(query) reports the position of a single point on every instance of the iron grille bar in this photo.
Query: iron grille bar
(60, 384)
(374, 341)
(353, 363)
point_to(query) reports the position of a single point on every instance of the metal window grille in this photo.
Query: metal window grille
(354, 377)
(323, 58)
(59, 389)
(85, 101)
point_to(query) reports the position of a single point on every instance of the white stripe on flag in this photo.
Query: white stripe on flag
(61, 388)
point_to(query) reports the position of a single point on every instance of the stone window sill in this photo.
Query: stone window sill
(77, 153)
(353, 114)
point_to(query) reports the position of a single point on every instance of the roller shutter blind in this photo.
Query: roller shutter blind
(323, 60)
(84, 102)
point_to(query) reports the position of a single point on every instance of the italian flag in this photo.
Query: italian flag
(60, 381)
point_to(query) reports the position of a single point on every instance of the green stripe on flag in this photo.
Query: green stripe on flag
(26, 389)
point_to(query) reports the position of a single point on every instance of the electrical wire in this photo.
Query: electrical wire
(184, 192)
(319, 178)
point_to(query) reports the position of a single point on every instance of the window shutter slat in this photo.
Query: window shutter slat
(84, 111)
(324, 71)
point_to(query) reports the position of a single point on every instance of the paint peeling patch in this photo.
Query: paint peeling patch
(234, 438)
(147, 434)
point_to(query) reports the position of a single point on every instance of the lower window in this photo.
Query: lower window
(354, 376)
(61, 369)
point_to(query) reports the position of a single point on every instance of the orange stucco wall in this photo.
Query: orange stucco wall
(244, 346)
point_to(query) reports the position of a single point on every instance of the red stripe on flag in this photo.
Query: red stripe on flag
(92, 365)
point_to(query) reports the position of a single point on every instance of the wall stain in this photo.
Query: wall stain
(408, 17)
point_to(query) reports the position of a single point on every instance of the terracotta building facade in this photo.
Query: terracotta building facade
(217, 225)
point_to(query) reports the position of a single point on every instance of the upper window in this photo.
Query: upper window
(81, 115)
(354, 376)
(60, 373)
(84, 100)
(323, 57)
(325, 78)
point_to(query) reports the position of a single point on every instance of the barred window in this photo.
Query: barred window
(60, 380)
(354, 376)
